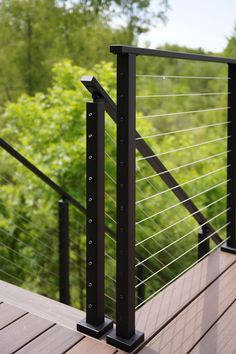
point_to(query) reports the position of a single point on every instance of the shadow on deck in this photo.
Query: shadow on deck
(194, 314)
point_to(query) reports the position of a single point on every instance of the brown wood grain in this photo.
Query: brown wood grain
(221, 338)
(151, 317)
(8, 314)
(55, 340)
(92, 346)
(40, 306)
(181, 334)
(22, 331)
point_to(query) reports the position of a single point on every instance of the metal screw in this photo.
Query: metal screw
(90, 199)
(90, 178)
(90, 306)
(90, 114)
(90, 157)
(90, 221)
(90, 242)
(90, 263)
(90, 285)
(90, 136)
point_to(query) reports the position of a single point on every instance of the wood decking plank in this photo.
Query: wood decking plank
(221, 337)
(40, 306)
(55, 340)
(8, 314)
(151, 317)
(20, 332)
(92, 346)
(184, 331)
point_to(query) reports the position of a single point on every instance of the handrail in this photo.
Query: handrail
(97, 91)
(120, 49)
(37, 172)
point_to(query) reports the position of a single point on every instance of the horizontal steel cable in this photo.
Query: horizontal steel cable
(183, 219)
(183, 254)
(183, 201)
(179, 275)
(27, 244)
(145, 266)
(183, 184)
(185, 112)
(183, 130)
(12, 276)
(139, 225)
(114, 221)
(182, 166)
(183, 148)
(23, 269)
(28, 259)
(186, 94)
(184, 77)
(182, 237)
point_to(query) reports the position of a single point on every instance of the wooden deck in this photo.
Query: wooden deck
(33, 324)
(196, 314)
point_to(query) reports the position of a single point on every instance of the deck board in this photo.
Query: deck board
(56, 340)
(9, 314)
(185, 330)
(28, 327)
(220, 339)
(40, 306)
(157, 312)
(90, 346)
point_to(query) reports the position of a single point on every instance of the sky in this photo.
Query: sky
(195, 23)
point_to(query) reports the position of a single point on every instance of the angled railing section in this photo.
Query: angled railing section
(98, 93)
(128, 140)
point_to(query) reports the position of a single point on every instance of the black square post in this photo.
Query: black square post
(125, 336)
(230, 245)
(95, 324)
(64, 268)
(203, 242)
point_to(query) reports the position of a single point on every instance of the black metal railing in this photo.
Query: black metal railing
(131, 275)
(158, 216)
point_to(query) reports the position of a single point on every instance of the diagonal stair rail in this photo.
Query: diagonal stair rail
(98, 92)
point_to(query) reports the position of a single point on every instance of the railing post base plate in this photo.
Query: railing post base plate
(128, 345)
(95, 331)
(228, 249)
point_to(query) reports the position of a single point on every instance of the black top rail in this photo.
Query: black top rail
(36, 171)
(120, 49)
(98, 93)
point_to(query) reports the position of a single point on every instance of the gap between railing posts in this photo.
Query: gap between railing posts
(230, 245)
(125, 336)
(95, 324)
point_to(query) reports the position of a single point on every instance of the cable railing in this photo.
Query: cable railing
(174, 177)
(160, 192)
(149, 263)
